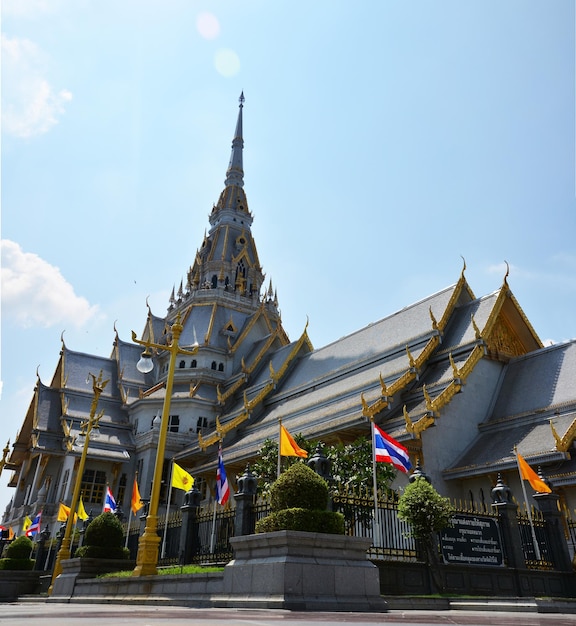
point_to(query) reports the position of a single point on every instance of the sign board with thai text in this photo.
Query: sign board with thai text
(472, 540)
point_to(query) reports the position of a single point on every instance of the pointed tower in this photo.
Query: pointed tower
(223, 304)
(227, 259)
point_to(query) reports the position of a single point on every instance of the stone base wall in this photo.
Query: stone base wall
(15, 583)
(403, 579)
(302, 571)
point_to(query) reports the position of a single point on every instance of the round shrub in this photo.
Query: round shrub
(20, 548)
(18, 555)
(104, 531)
(299, 487)
(299, 498)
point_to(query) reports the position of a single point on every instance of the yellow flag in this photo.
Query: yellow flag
(136, 504)
(288, 447)
(181, 479)
(26, 524)
(81, 510)
(527, 473)
(64, 512)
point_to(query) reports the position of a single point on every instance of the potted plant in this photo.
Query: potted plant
(300, 558)
(101, 553)
(298, 500)
(16, 575)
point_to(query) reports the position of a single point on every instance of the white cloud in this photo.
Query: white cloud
(30, 105)
(34, 293)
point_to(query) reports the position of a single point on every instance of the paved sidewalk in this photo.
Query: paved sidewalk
(42, 614)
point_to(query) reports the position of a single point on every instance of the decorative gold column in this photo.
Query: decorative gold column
(86, 428)
(149, 542)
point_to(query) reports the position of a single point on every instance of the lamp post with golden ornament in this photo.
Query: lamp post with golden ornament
(149, 542)
(86, 428)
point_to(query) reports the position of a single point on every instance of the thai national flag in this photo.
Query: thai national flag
(35, 526)
(222, 488)
(109, 502)
(388, 450)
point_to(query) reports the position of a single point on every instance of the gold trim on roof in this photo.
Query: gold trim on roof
(563, 443)
(225, 245)
(208, 334)
(250, 405)
(417, 428)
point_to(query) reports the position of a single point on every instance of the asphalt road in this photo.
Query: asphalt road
(42, 614)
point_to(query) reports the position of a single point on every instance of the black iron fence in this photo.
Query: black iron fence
(534, 541)
(213, 526)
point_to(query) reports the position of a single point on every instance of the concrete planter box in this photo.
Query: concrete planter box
(16, 583)
(77, 569)
(194, 590)
(302, 571)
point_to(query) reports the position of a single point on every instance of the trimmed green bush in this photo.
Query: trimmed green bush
(103, 539)
(18, 555)
(20, 548)
(299, 498)
(299, 487)
(304, 520)
(99, 552)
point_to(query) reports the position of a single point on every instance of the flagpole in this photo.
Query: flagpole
(48, 555)
(279, 447)
(128, 527)
(213, 535)
(534, 540)
(377, 534)
(162, 554)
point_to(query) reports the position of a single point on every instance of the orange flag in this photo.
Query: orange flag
(288, 447)
(136, 502)
(527, 473)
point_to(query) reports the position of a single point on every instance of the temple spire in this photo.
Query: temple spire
(235, 173)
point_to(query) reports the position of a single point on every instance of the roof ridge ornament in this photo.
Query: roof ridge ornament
(505, 283)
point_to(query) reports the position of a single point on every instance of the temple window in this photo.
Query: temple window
(93, 486)
(173, 423)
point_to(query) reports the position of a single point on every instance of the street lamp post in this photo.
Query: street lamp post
(85, 428)
(149, 542)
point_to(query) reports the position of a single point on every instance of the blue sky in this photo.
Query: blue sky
(383, 142)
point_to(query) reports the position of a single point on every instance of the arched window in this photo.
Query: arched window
(214, 281)
(193, 363)
(182, 364)
(213, 365)
(221, 367)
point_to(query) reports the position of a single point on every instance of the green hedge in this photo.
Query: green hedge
(17, 564)
(99, 552)
(303, 520)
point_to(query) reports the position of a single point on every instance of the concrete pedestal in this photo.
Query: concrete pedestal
(301, 571)
(77, 569)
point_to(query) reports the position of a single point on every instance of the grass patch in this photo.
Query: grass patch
(166, 571)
